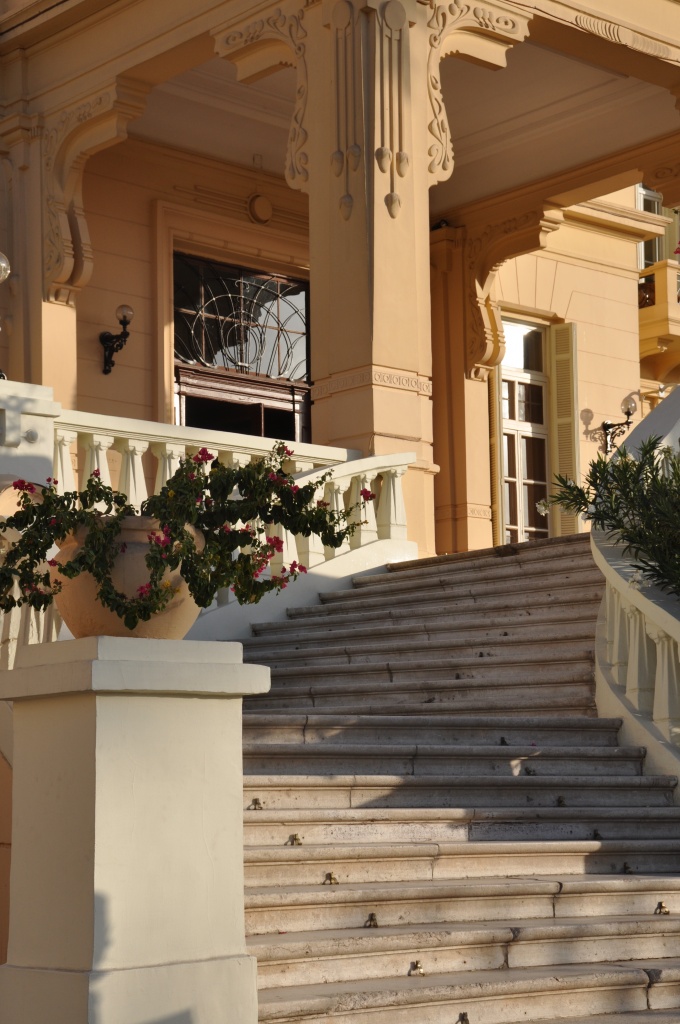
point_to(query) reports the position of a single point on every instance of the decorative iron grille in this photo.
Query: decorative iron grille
(235, 318)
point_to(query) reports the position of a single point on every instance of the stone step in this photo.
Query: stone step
(511, 996)
(429, 759)
(414, 643)
(402, 622)
(294, 908)
(332, 957)
(367, 609)
(411, 862)
(265, 727)
(553, 548)
(551, 664)
(481, 568)
(348, 791)
(407, 620)
(269, 826)
(639, 1017)
(470, 584)
(470, 696)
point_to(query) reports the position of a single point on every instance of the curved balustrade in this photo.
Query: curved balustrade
(637, 651)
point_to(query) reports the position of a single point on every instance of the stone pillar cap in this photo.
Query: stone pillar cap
(129, 665)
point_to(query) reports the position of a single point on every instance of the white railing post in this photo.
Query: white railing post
(96, 446)
(666, 706)
(63, 463)
(334, 495)
(132, 481)
(620, 640)
(367, 529)
(641, 663)
(391, 517)
(168, 456)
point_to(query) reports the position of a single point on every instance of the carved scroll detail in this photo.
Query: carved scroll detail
(289, 29)
(485, 250)
(459, 27)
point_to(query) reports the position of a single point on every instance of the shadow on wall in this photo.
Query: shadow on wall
(102, 939)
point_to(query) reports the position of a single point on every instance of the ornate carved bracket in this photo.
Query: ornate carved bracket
(664, 178)
(264, 45)
(485, 248)
(614, 33)
(69, 138)
(482, 33)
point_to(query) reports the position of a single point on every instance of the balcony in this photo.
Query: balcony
(658, 300)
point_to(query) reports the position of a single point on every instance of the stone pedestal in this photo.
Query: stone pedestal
(126, 888)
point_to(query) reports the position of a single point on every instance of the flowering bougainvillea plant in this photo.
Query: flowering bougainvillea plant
(232, 509)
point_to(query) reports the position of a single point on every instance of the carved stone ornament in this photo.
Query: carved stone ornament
(483, 32)
(375, 59)
(485, 250)
(69, 139)
(625, 36)
(288, 28)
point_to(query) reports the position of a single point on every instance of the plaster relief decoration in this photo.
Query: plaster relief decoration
(69, 139)
(485, 250)
(625, 36)
(376, 375)
(665, 178)
(482, 33)
(265, 45)
(370, 52)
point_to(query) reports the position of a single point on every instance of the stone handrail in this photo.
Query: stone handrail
(637, 654)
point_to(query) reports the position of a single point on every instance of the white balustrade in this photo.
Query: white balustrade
(639, 627)
(146, 454)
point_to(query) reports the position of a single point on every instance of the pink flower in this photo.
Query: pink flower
(192, 476)
(274, 477)
(323, 504)
(366, 494)
(203, 455)
(52, 562)
(49, 480)
(287, 450)
(302, 568)
(276, 543)
(676, 252)
(52, 521)
(144, 590)
(22, 485)
(295, 488)
(226, 528)
(96, 472)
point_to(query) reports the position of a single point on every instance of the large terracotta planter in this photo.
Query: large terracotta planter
(86, 616)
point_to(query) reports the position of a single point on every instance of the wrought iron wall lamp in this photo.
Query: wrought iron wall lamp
(113, 343)
(613, 430)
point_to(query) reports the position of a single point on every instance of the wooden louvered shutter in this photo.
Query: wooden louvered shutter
(564, 439)
(496, 446)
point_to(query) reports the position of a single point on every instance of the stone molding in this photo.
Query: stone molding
(383, 377)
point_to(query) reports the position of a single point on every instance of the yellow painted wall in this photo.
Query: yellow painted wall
(122, 189)
(586, 276)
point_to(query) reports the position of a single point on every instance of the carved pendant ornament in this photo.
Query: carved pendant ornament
(370, 52)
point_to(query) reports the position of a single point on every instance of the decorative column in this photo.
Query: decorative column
(126, 898)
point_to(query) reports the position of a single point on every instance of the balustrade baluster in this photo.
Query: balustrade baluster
(95, 447)
(641, 663)
(367, 530)
(132, 481)
(620, 640)
(335, 496)
(63, 463)
(666, 708)
(168, 455)
(391, 517)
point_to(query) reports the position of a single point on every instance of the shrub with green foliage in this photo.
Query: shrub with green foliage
(635, 500)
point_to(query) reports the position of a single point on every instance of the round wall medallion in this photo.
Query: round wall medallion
(260, 209)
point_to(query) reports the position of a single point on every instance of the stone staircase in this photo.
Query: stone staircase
(439, 829)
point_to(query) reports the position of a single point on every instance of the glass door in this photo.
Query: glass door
(524, 399)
